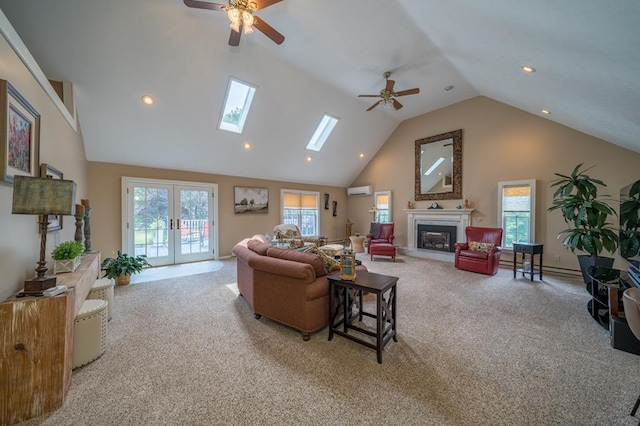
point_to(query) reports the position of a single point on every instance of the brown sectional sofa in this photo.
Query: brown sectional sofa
(284, 285)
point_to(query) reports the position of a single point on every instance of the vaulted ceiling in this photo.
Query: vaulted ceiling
(585, 53)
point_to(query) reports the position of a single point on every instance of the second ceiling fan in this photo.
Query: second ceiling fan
(240, 13)
(388, 96)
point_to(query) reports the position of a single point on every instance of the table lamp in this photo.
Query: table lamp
(43, 197)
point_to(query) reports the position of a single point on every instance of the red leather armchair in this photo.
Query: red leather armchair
(481, 252)
(385, 236)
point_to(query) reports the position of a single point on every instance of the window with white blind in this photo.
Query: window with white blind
(516, 206)
(301, 208)
(382, 201)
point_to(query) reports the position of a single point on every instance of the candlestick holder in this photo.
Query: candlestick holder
(78, 234)
(87, 230)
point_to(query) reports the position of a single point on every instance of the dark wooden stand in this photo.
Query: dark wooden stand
(346, 293)
(530, 249)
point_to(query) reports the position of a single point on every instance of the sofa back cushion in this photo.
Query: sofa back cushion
(258, 246)
(311, 259)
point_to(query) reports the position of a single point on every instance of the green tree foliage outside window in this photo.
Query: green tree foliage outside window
(233, 116)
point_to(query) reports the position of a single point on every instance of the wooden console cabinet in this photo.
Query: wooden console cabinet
(36, 346)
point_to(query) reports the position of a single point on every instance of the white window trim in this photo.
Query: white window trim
(245, 109)
(375, 202)
(322, 132)
(532, 218)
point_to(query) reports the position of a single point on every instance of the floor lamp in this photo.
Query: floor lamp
(42, 197)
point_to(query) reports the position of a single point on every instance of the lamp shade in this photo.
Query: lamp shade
(37, 196)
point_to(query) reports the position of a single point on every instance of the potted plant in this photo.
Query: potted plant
(66, 256)
(576, 197)
(122, 266)
(630, 221)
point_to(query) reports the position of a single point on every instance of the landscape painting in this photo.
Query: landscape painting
(249, 200)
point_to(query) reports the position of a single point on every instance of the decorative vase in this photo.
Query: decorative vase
(70, 265)
(123, 279)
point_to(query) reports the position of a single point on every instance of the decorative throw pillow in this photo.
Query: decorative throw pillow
(330, 262)
(480, 246)
(297, 256)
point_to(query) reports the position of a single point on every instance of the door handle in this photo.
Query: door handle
(177, 223)
(171, 224)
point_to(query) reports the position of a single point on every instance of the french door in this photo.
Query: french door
(169, 222)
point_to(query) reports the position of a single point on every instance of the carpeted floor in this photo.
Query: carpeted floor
(472, 350)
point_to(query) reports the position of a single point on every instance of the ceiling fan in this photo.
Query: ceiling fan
(388, 96)
(240, 13)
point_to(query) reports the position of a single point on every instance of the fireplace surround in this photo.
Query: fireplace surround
(438, 219)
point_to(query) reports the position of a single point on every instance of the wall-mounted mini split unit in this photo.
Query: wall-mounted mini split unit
(359, 190)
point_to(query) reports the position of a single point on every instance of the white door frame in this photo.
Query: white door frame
(125, 220)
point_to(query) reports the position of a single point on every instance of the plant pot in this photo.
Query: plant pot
(62, 266)
(586, 260)
(123, 279)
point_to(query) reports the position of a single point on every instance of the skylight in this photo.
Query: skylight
(433, 167)
(322, 132)
(236, 105)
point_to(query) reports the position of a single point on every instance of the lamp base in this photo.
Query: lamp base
(39, 284)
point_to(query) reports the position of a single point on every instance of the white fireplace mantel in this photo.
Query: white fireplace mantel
(460, 218)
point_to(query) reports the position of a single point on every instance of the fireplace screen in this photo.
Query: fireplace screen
(439, 238)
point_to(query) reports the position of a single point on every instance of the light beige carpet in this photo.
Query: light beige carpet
(472, 350)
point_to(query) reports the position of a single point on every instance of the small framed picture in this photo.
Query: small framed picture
(19, 135)
(48, 171)
(249, 200)
(347, 266)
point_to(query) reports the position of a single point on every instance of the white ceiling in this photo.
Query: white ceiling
(585, 52)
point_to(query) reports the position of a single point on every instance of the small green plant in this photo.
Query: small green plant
(123, 264)
(67, 250)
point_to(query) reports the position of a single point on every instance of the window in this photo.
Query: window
(516, 206)
(301, 208)
(236, 105)
(382, 201)
(322, 132)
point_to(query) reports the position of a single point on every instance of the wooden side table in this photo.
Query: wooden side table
(530, 249)
(344, 293)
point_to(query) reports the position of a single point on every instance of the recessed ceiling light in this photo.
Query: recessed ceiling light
(545, 111)
(528, 69)
(309, 159)
(448, 87)
(147, 100)
(362, 155)
(246, 145)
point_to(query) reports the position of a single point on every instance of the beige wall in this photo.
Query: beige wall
(500, 143)
(105, 189)
(61, 147)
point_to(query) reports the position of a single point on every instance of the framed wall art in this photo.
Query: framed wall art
(19, 135)
(48, 171)
(249, 200)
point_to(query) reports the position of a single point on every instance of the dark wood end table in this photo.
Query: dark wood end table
(345, 293)
(530, 249)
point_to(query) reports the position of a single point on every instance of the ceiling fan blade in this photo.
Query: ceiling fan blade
(397, 105)
(373, 106)
(234, 37)
(268, 30)
(368, 96)
(204, 5)
(261, 4)
(408, 92)
(390, 84)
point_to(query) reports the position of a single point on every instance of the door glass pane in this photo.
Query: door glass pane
(194, 221)
(150, 221)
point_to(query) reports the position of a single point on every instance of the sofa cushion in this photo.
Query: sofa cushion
(258, 247)
(311, 259)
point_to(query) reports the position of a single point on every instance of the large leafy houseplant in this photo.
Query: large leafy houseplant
(576, 196)
(123, 266)
(630, 222)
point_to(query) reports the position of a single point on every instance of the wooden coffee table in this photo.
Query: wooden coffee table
(345, 293)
